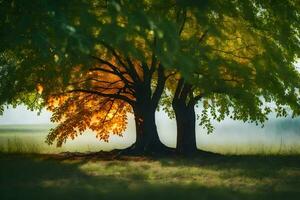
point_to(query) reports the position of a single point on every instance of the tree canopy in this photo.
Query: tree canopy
(92, 62)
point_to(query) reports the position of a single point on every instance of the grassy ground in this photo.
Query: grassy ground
(31, 170)
(216, 177)
(31, 139)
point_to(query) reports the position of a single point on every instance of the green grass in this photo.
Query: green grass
(31, 139)
(29, 169)
(220, 177)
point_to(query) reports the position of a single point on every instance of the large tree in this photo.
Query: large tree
(244, 54)
(119, 54)
(108, 91)
(72, 51)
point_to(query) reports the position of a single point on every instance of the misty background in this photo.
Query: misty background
(279, 135)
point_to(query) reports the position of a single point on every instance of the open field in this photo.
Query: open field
(30, 169)
(30, 139)
(217, 177)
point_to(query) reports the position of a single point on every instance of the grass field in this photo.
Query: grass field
(29, 169)
(218, 177)
(31, 139)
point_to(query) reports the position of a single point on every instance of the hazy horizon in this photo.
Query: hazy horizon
(229, 135)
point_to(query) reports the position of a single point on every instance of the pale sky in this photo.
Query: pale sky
(21, 115)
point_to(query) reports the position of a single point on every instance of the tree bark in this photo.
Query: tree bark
(183, 106)
(186, 133)
(139, 82)
(147, 139)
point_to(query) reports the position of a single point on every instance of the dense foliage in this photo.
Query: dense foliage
(99, 60)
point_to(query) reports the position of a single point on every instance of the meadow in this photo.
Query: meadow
(30, 138)
(215, 177)
(30, 169)
(227, 139)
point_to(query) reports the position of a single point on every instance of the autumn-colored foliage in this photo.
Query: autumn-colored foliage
(80, 109)
(78, 112)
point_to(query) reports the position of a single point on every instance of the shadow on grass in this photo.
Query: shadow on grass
(34, 177)
(252, 166)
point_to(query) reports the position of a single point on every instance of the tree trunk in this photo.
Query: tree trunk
(147, 139)
(186, 134)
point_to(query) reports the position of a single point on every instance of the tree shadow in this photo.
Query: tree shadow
(282, 172)
(36, 177)
(251, 165)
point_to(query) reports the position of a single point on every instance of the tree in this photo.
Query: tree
(244, 54)
(132, 43)
(221, 52)
(108, 92)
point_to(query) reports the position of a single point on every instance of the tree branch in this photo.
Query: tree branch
(116, 96)
(183, 22)
(133, 71)
(115, 71)
(195, 99)
(232, 54)
(178, 88)
(119, 59)
(160, 85)
(203, 36)
(153, 59)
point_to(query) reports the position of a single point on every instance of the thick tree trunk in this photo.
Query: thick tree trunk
(186, 134)
(147, 139)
